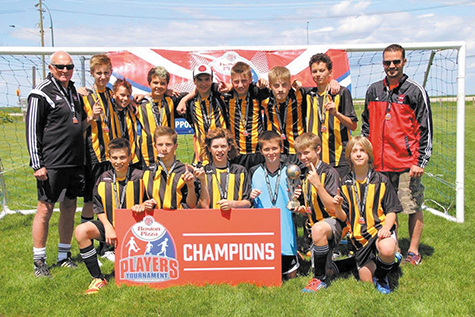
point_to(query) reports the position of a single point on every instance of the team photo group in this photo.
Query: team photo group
(265, 144)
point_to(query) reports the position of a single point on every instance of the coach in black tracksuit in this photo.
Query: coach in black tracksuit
(397, 119)
(54, 134)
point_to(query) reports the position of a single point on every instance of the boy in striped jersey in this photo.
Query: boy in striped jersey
(244, 108)
(120, 188)
(371, 205)
(204, 109)
(223, 185)
(169, 184)
(122, 90)
(158, 110)
(319, 187)
(105, 127)
(330, 116)
(284, 109)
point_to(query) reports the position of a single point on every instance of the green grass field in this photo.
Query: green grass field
(442, 285)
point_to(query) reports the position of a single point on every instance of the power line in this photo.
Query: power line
(273, 19)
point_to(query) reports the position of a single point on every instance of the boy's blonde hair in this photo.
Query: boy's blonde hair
(99, 59)
(365, 144)
(160, 72)
(279, 72)
(307, 140)
(243, 69)
(165, 131)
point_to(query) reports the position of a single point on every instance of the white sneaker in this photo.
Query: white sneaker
(99, 263)
(109, 255)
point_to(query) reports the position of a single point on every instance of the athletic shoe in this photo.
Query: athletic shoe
(314, 285)
(68, 262)
(414, 259)
(41, 269)
(95, 286)
(382, 285)
(109, 255)
(397, 257)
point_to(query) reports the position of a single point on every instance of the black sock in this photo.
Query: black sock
(382, 269)
(89, 255)
(320, 255)
(86, 219)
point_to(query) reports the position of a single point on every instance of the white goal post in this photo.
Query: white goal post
(438, 66)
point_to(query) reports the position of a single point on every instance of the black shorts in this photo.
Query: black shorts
(102, 230)
(61, 182)
(93, 172)
(290, 263)
(249, 160)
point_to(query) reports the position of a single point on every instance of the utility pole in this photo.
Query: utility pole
(42, 34)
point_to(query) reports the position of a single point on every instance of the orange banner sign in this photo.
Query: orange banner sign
(198, 246)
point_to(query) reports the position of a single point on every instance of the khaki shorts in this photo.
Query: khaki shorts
(410, 191)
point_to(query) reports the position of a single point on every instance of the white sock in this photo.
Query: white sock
(63, 250)
(39, 253)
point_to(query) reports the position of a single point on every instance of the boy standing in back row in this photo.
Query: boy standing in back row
(330, 116)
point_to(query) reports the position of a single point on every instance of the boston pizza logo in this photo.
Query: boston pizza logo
(149, 254)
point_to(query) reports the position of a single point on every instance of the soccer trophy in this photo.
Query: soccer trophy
(293, 180)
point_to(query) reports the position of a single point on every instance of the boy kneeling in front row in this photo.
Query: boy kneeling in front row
(371, 204)
(120, 188)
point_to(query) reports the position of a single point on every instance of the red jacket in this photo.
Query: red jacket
(398, 123)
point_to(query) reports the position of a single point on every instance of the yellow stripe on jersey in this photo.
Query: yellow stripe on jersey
(105, 199)
(365, 224)
(238, 186)
(168, 191)
(104, 129)
(149, 114)
(294, 121)
(334, 135)
(203, 117)
(245, 123)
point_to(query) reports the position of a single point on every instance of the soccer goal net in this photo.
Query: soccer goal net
(440, 67)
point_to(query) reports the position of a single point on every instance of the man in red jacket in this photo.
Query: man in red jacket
(397, 119)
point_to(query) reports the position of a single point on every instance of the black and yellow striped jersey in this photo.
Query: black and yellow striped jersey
(128, 127)
(287, 119)
(233, 182)
(378, 198)
(150, 115)
(330, 179)
(106, 128)
(203, 115)
(167, 187)
(332, 132)
(245, 119)
(111, 193)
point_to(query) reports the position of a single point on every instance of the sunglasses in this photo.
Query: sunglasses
(395, 62)
(61, 67)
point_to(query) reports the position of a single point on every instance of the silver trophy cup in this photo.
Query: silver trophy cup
(293, 180)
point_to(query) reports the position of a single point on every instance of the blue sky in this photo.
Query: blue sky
(115, 23)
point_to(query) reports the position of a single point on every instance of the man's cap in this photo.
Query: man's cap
(202, 69)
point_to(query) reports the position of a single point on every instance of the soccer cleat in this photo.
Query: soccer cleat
(95, 286)
(68, 262)
(109, 255)
(382, 285)
(414, 259)
(397, 257)
(41, 269)
(314, 285)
